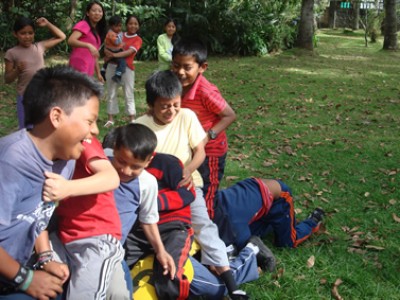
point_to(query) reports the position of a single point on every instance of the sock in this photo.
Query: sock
(253, 247)
(227, 278)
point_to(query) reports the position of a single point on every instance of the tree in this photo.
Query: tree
(306, 26)
(390, 26)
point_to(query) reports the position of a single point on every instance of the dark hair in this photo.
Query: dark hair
(175, 37)
(129, 17)
(114, 21)
(163, 84)
(100, 30)
(109, 139)
(138, 138)
(191, 47)
(22, 22)
(57, 86)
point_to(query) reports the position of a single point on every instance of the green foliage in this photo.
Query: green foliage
(243, 27)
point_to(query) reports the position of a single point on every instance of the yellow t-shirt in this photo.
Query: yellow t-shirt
(178, 137)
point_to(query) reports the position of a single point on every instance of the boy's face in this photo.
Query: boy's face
(187, 69)
(72, 129)
(165, 110)
(127, 165)
(117, 28)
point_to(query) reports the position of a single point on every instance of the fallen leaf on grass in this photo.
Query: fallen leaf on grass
(372, 247)
(392, 201)
(335, 293)
(311, 261)
(396, 218)
(231, 178)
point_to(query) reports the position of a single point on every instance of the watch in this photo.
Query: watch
(212, 134)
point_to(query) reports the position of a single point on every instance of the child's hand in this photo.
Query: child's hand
(44, 286)
(55, 187)
(20, 66)
(166, 260)
(42, 22)
(57, 269)
(186, 177)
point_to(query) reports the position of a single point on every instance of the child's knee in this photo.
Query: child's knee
(284, 187)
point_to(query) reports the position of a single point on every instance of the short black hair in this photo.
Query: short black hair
(57, 86)
(191, 47)
(138, 138)
(114, 20)
(163, 84)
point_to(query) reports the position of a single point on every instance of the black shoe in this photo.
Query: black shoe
(239, 295)
(265, 258)
(317, 215)
(116, 79)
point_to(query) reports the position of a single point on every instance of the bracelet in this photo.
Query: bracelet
(21, 276)
(43, 259)
(27, 282)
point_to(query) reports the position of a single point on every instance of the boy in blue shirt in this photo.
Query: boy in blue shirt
(61, 108)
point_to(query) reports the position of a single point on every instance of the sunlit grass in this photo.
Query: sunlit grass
(327, 124)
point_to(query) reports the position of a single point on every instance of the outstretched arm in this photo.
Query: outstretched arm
(105, 178)
(165, 259)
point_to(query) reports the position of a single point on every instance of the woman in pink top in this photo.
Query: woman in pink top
(86, 39)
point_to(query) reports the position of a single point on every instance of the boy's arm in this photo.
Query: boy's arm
(227, 116)
(154, 238)
(105, 178)
(59, 36)
(42, 286)
(42, 247)
(199, 154)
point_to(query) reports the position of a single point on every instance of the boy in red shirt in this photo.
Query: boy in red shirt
(189, 62)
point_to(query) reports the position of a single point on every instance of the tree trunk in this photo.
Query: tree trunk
(306, 28)
(356, 15)
(390, 41)
(332, 14)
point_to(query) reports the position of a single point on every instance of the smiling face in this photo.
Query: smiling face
(165, 110)
(25, 36)
(95, 14)
(132, 26)
(72, 129)
(187, 69)
(170, 29)
(127, 165)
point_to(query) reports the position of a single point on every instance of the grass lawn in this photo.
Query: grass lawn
(328, 125)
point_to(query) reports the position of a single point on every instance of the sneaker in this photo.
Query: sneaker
(265, 258)
(239, 295)
(116, 79)
(109, 124)
(317, 215)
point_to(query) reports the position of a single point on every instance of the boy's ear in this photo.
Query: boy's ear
(203, 67)
(56, 116)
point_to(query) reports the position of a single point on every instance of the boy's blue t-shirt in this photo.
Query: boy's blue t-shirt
(24, 214)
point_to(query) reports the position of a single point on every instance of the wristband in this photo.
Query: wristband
(21, 276)
(27, 282)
